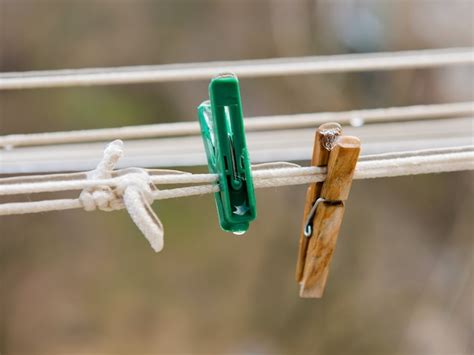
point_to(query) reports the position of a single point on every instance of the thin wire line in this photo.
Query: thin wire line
(246, 68)
(277, 122)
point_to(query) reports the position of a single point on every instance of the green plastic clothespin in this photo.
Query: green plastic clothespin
(222, 129)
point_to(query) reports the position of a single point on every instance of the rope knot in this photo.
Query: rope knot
(133, 191)
(104, 198)
(137, 179)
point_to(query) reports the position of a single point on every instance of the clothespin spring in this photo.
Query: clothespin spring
(308, 229)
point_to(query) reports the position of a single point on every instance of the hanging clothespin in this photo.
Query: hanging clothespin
(222, 129)
(324, 207)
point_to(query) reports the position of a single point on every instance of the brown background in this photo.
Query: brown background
(74, 282)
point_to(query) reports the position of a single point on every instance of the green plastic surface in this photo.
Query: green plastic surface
(222, 129)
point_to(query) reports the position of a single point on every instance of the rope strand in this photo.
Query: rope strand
(460, 159)
(37, 184)
(247, 68)
(279, 122)
(288, 145)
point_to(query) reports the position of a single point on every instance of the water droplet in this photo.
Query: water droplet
(357, 121)
(238, 232)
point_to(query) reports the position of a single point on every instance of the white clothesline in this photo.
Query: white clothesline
(277, 122)
(264, 146)
(176, 177)
(135, 188)
(245, 68)
(413, 163)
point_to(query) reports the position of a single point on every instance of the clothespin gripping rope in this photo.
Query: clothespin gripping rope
(323, 143)
(324, 207)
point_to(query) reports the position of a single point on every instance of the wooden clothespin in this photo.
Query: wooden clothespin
(324, 207)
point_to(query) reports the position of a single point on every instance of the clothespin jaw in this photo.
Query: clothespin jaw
(324, 207)
(222, 129)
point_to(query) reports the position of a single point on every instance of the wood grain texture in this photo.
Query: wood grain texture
(320, 158)
(328, 218)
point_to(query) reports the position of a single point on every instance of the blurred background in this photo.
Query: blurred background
(401, 280)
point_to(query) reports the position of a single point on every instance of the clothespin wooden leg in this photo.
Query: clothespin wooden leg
(328, 214)
(324, 139)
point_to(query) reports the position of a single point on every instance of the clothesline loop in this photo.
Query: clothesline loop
(133, 190)
(103, 197)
